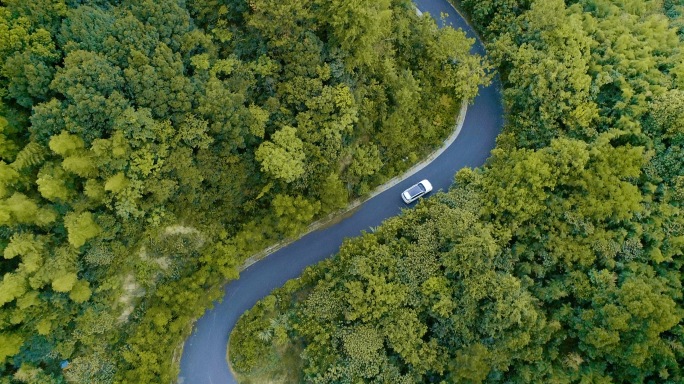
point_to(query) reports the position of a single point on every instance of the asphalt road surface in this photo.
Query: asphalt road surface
(204, 354)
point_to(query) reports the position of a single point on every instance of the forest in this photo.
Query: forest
(149, 147)
(561, 260)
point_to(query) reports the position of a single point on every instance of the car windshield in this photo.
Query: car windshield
(415, 190)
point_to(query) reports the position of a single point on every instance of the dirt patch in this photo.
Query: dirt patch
(180, 230)
(131, 290)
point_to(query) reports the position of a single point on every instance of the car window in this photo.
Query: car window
(416, 189)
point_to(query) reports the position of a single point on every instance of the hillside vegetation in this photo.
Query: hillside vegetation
(148, 147)
(560, 260)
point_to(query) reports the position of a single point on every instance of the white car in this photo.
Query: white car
(412, 194)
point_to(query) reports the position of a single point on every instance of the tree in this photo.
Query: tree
(64, 283)
(293, 213)
(28, 52)
(86, 28)
(471, 365)
(13, 286)
(366, 161)
(9, 345)
(8, 176)
(359, 28)
(283, 157)
(665, 113)
(52, 183)
(327, 123)
(8, 147)
(80, 291)
(92, 89)
(30, 77)
(31, 155)
(496, 16)
(66, 144)
(167, 18)
(81, 227)
(158, 82)
(25, 210)
(555, 61)
(333, 193)
(449, 61)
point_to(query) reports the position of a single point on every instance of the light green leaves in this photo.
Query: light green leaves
(9, 345)
(64, 283)
(24, 210)
(12, 286)
(66, 144)
(283, 156)
(116, 183)
(80, 228)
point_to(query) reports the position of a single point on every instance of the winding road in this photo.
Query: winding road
(203, 360)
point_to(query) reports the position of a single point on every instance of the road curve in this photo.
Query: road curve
(203, 360)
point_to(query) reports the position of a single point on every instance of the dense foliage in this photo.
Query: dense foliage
(561, 260)
(147, 147)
